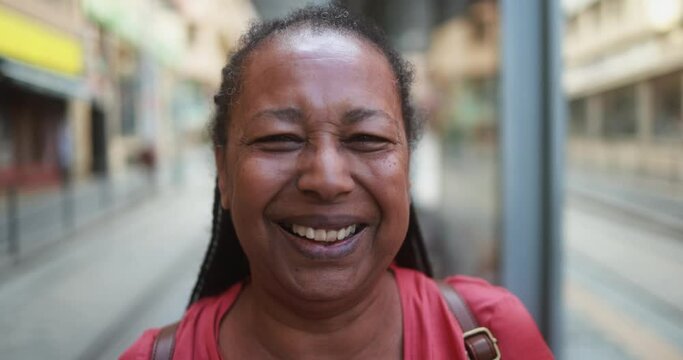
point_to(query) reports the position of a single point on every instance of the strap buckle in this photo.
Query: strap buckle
(486, 332)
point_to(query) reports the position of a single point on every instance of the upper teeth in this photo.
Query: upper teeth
(324, 235)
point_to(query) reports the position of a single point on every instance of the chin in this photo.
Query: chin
(328, 283)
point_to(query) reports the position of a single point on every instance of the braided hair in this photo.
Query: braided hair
(225, 262)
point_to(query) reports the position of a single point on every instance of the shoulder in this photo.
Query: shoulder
(195, 315)
(489, 302)
(195, 330)
(505, 315)
(482, 297)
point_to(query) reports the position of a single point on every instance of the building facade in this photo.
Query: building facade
(95, 87)
(624, 81)
(42, 87)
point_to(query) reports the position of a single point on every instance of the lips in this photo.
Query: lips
(323, 236)
(324, 228)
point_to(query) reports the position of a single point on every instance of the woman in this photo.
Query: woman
(315, 251)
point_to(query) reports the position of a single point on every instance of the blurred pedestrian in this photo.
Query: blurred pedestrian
(64, 152)
(148, 159)
(64, 163)
(316, 251)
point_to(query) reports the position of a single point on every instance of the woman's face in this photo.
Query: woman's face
(315, 171)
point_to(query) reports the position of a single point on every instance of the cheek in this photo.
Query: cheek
(387, 181)
(255, 183)
(256, 178)
(392, 184)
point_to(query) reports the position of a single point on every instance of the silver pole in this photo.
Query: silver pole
(532, 140)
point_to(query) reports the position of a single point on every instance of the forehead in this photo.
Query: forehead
(318, 67)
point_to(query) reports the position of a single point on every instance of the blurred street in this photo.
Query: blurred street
(622, 291)
(91, 295)
(106, 178)
(60, 211)
(623, 257)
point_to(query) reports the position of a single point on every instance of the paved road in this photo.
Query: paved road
(91, 296)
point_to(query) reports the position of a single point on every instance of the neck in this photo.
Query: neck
(355, 327)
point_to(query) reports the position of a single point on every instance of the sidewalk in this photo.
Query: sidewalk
(90, 297)
(43, 218)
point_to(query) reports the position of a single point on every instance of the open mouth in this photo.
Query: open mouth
(323, 235)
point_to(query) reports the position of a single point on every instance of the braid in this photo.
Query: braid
(211, 250)
(413, 253)
(224, 262)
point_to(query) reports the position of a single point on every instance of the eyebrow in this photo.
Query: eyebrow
(289, 114)
(293, 115)
(358, 114)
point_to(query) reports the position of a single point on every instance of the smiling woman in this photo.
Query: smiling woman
(315, 251)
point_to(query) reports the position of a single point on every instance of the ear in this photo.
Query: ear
(222, 173)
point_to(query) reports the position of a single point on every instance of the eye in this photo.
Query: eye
(367, 142)
(279, 142)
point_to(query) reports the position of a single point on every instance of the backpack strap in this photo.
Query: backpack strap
(479, 341)
(164, 343)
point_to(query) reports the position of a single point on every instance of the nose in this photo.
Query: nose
(324, 172)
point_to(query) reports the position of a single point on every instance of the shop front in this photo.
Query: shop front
(40, 75)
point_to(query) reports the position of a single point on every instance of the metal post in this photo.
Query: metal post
(532, 153)
(68, 214)
(12, 220)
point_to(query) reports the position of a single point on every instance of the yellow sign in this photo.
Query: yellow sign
(31, 42)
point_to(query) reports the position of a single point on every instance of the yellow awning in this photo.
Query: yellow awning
(26, 40)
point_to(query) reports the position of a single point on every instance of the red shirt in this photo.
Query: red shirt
(429, 329)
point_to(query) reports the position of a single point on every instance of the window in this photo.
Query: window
(666, 97)
(578, 124)
(620, 113)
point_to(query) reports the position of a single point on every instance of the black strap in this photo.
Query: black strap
(479, 341)
(164, 343)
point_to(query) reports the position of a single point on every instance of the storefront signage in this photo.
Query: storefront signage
(39, 45)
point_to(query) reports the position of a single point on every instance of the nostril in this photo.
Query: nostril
(325, 187)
